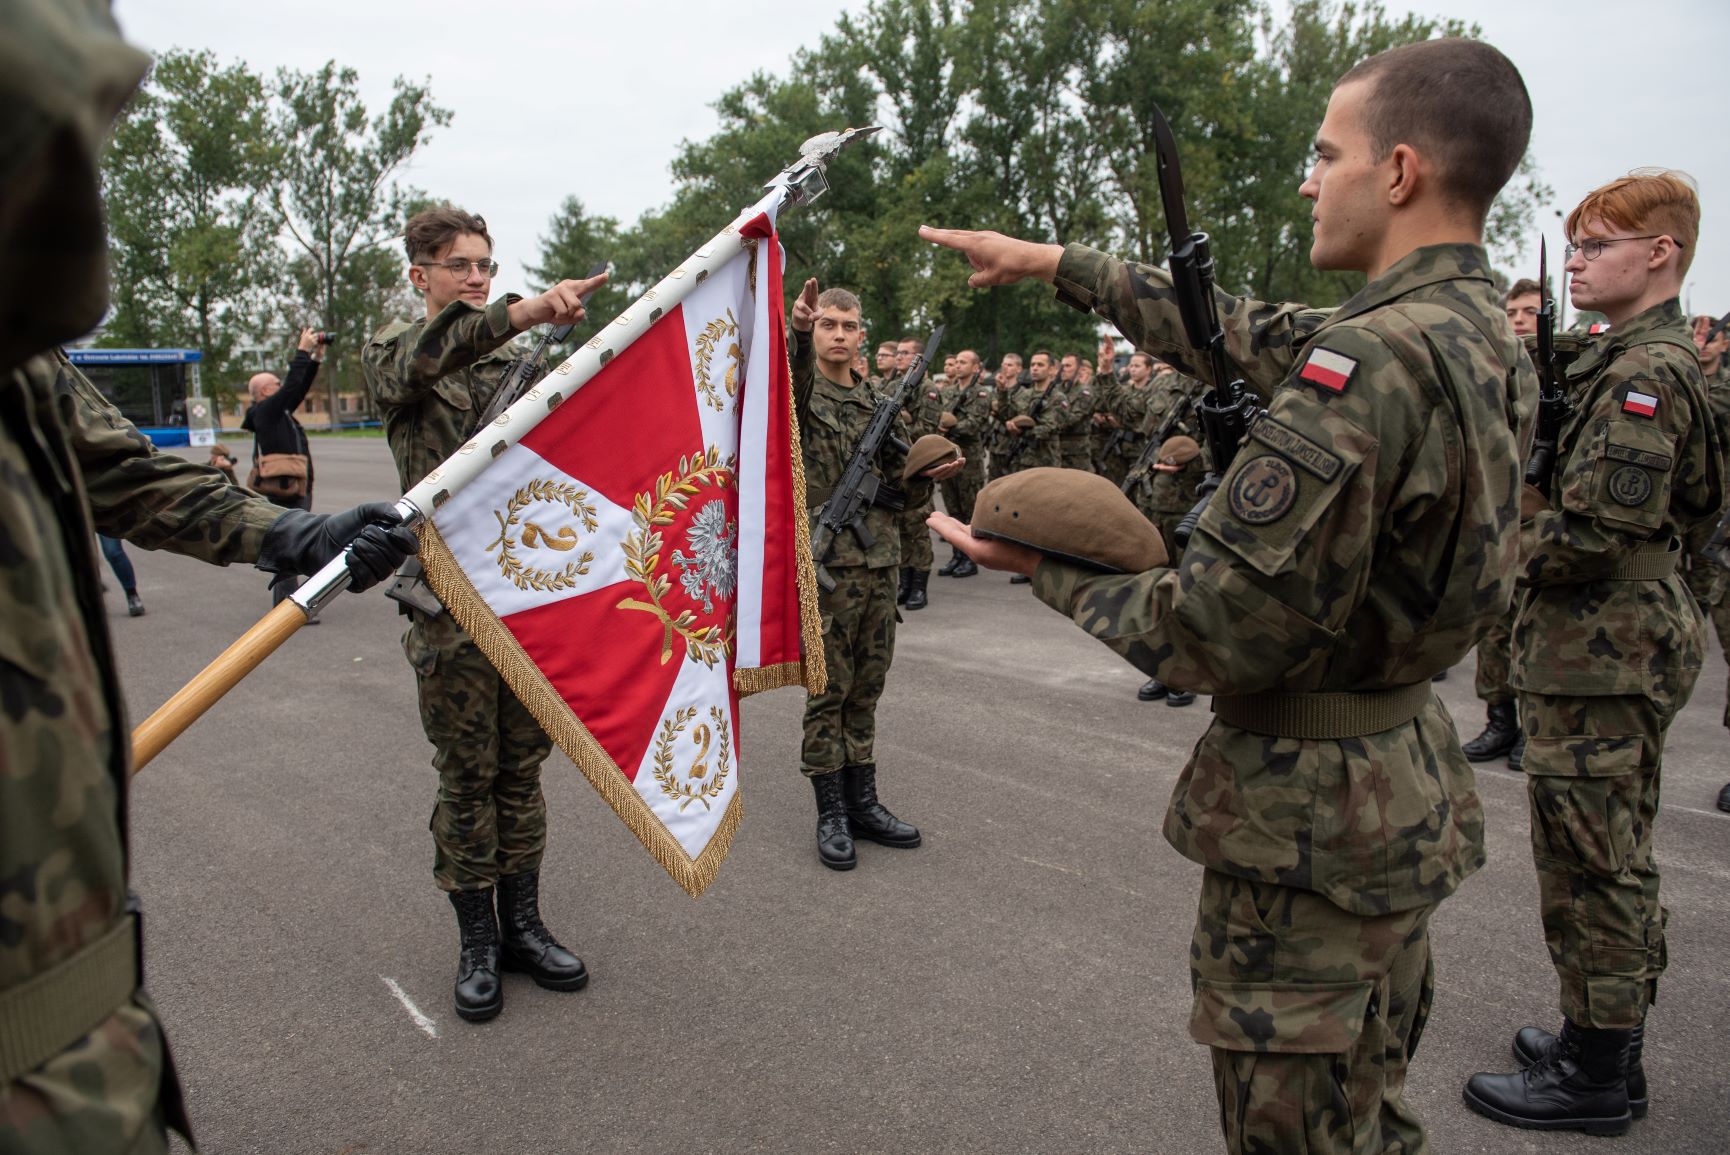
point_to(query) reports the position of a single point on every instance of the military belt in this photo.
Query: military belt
(48, 1012)
(1649, 563)
(1323, 716)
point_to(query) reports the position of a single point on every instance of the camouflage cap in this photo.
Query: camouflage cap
(932, 449)
(1070, 515)
(64, 75)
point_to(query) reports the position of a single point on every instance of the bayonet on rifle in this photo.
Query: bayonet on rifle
(1553, 405)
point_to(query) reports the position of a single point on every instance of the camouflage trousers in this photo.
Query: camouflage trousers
(1495, 652)
(1313, 1014)
(1592, 773)
(1075, 451)
(490, 819)
(960, 491)
(1720, 617)
(916, 535)
(858, 645)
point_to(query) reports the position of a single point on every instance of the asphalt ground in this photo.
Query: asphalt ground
(1019, 983)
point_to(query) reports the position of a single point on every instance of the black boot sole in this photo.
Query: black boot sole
(882, 840)
(481, 1014)
(540, 979)
(839, 863)
(1481, 756)
(1636, 1107)
(1616, 1125)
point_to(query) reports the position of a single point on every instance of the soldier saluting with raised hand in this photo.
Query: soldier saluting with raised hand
(1362, 539)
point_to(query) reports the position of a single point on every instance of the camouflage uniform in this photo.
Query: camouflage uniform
(1171, 489)
(1495, 653)
(1708, 579)
(431, 379)
(1040, 445)
(1129, 407)
(1075, 426)
(1606, 652)
(1105, 390)
(925, 408)
(75, 467)
(859, 614)
(1364, 538)
(970, 405)
(997, 438)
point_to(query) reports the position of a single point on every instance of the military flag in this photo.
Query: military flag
(640, 558)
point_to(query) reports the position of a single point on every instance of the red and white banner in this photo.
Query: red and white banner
(641, 557)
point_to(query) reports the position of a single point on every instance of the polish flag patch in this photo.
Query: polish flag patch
(1328, 369)
(1644, 404)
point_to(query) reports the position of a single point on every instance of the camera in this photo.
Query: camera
(324, 338)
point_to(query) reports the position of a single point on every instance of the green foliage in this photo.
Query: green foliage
(190, 237)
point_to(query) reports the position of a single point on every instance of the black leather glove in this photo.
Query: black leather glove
(304, 543)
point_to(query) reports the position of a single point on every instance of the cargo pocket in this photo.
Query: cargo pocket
(1280, 1054)
(421, 656)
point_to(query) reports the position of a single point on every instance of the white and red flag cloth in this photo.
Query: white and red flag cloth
(640, 559)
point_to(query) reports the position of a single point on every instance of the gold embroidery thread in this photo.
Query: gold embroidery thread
(519, 572)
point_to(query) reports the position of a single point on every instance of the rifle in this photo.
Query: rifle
(1717, 330)
(1714, 550)
(409, 587)
(1553, 404)
(1144, 462)
(860, 486)
(1020, 443)
(1227, 411)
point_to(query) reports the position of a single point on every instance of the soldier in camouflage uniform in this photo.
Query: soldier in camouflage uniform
(431, 378)
(923, 412)
(1364, 538)
(1708, 579)
(84, 1066)
(966, 419)
(1036, 412)
(1608, 644)
(1129, 402)
(1075, 426)
(1501, 734)
(834, 407)
(998, 439)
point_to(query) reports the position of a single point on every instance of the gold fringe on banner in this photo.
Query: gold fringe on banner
(564, 728)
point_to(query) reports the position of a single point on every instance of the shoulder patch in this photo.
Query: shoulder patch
(1301, 451)
(1264, 490)
(1644, 404)
(1330, 370)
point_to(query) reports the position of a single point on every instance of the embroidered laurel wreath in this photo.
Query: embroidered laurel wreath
(711, 336)
(523, 575)
(700, 785)
(651, 513)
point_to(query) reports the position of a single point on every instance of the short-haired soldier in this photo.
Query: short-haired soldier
(1363, 539)
(1608, 644)
(834, 406)
(431, 379)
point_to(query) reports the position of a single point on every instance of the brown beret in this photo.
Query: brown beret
(1532, 502)
(947, 422)
(1022, 421)
(932, 449)
(1070, 515)
(1179, 450)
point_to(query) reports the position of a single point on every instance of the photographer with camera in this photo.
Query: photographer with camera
(281, 457)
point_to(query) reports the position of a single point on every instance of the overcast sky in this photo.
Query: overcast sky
(593, 99)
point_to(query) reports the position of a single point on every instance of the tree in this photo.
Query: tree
(191, 239)
(335, 198)
(574, 244)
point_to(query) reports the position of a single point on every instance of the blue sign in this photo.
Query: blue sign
(134, 356)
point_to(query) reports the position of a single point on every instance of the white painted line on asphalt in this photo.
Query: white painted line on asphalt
(430, 1028)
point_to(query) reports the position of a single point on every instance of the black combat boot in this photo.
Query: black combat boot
(479, 995)
(1724, 798)
(917, 599)
(834, 835)
(529, 947)
(965, 567)
(1019, 579)
(1580, 1084)
(1501, 731)
(902, 589)
(1179, 697)
(1517, 756)
(948, 569)
(1532, 1044)
(1152, 690)
(869, 818)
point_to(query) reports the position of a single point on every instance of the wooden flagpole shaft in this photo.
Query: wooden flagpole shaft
(151, 736)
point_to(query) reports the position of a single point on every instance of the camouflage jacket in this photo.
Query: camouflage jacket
(925, 407)
(1364, 539)
(431, 378)
(1080, 402)
(74, 465)
(1638, 465)
(1174, 491)
(831, 422)
(1039, 443)
(970, 404)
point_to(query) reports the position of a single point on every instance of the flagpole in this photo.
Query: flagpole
(799, 183)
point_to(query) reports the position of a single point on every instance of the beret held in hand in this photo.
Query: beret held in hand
(1070, 515)
(932, 449)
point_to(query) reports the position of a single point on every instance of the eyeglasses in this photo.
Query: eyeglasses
(1593, 247)
(459, 267)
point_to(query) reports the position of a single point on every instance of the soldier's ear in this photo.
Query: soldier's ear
(1403, 178)
(417, 278)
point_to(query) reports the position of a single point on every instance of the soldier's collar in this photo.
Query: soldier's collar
(1426, 265)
